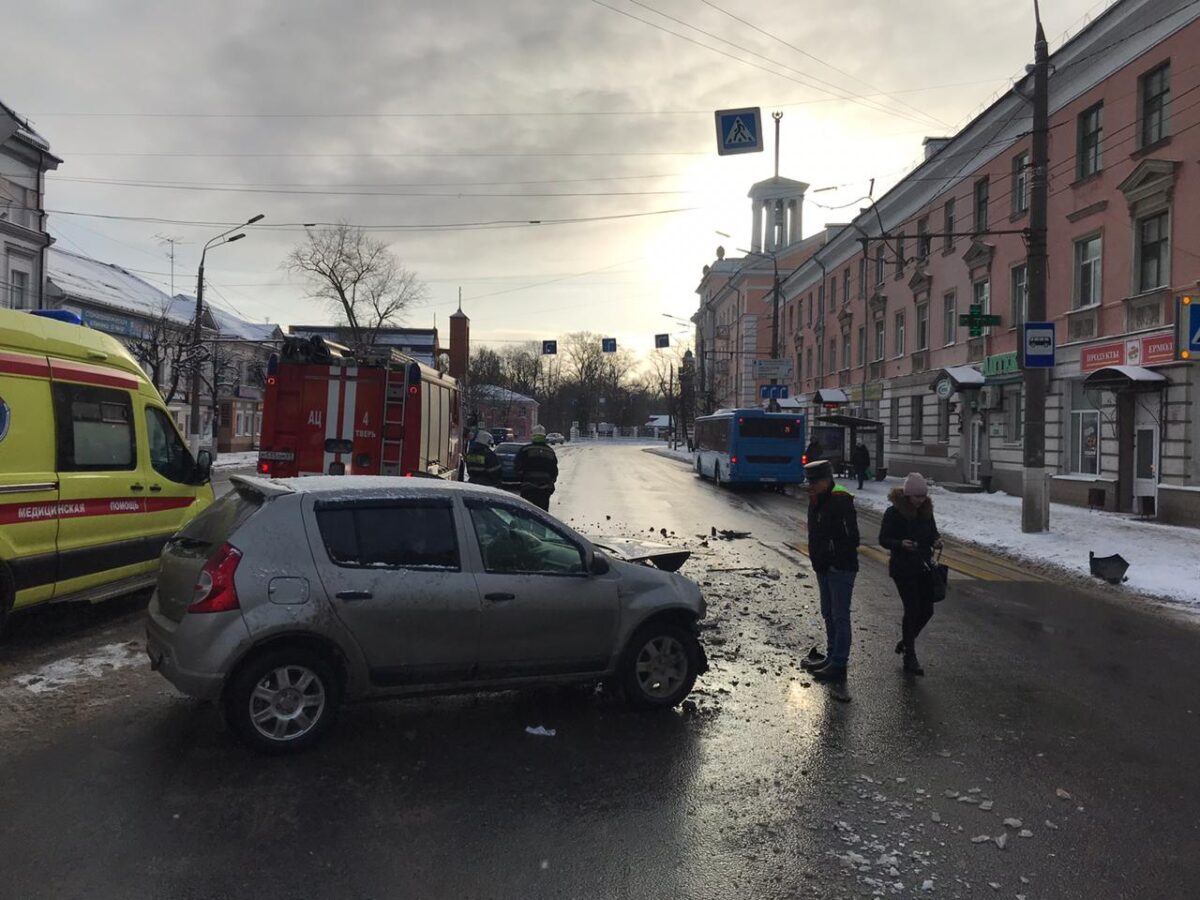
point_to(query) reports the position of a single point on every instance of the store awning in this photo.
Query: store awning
(830, 395)
(856, 422)
(791, 403)
(964, 376)
(1117, 378)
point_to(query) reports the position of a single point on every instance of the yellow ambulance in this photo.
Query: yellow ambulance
(94, 476)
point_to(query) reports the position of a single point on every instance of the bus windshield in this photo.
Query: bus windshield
(769, 428)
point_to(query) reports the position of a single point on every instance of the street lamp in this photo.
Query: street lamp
(222, 238)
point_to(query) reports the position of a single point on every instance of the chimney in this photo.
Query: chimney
(934, 144)
(460, 342)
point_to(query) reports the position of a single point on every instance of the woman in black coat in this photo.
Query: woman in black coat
(910, 533)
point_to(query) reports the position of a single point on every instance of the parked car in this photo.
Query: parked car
(555, 437)
(500, 435)
(287, 597)
(507, 452)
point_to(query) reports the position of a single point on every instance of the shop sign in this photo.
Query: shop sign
(1001, 364)
(873, 391)
(1143, 351)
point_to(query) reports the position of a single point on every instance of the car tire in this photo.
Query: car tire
(271, 696)
(699, 470)
(660, 665)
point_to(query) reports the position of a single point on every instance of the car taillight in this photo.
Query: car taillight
(264, 467)
(733, 460)
(804, 459)
(214, 591)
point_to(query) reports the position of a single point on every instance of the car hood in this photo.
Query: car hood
(661, 556)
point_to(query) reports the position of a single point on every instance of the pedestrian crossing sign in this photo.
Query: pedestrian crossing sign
(739, 131)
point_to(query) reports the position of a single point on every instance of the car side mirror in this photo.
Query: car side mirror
(203, 466)
(599, 564)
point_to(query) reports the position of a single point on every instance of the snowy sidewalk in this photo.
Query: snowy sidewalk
(682, 455)
(1164, 560)
(245, 460)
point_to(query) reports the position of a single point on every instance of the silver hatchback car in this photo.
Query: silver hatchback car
(285, 598)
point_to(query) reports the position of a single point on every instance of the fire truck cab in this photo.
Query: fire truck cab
(329, 411)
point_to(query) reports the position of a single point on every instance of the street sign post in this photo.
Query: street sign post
(1187, 315)
(975, 320)
(608, 345)
(773, 391)
(739, 131)
(1038, 347)
(549, 348)
(772, 368)
(661, 341)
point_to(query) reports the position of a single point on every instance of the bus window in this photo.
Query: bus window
(769, 428)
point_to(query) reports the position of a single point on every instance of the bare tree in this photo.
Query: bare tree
(165, 350)
(522, 368)
(358, 277)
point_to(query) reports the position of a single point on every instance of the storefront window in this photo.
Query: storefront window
(1084, 448)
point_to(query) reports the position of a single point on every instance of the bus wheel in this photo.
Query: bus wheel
(699, 469)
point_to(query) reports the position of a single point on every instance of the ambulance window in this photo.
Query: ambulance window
(94, 427)
(168, 455)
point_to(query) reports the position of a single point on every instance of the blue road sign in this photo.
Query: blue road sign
(661, 341)
(1189, 316)
(549, 348)
(608, 345)
(773, 391)
(739, 131)
(1039, 345)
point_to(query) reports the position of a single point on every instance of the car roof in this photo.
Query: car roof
(350, 486)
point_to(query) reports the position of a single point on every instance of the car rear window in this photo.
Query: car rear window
(229, 513)
(388, 535)
(769, 428)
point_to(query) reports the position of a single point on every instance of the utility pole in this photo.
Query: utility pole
(672, 419)
(1035, 502)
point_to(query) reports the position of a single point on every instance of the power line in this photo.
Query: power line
(383, 184)
(430, 155)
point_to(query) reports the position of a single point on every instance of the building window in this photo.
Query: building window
(981, 205)
(900, 255)
(923, 238)
(879, 338)
(18, 289)
(1091, 133)
(898, 334)
(862, 275)
(1020, 183)
(1153, 95)
(894, 424)
(846, 350)
(1019, 280)
(917, 417)
(1014, 413)
(862, 345)
(943, 422)
(833, 354)
(949, 318)
(1084, 439)
(879, 265)
(948, 225)
(923, 326)
(821, 302)
(846, 285)
(808, 364)
(981, 296)
(239, 430)
(1087, 272)
(1153, 252)
(833, 294)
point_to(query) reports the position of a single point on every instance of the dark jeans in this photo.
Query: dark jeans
(538, 495)
(836, 588)
(860, 473)
(916, 593)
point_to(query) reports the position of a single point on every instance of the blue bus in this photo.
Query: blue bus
(750, 446)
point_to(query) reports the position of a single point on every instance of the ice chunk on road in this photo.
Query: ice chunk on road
(72, 670)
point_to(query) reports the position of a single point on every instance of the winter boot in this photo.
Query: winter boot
(814, 660)
(830, 674)
(911, 664)
(901, 646)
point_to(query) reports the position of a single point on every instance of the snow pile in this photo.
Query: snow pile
(74, 669)
(1163, 561)
(248, 459)
(682, 454)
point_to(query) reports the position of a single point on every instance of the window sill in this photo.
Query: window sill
(1087, 179)
(1158, 291)
(1150, 148)
(1018, 215)
(1082, 310)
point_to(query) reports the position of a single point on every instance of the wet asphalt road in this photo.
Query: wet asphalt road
(117, 787)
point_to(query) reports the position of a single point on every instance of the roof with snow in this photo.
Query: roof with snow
(658, 422)
(87, 280)
(25, 131)
(498, 394)
(230, 325)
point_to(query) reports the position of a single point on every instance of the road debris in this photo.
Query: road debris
(540, 731)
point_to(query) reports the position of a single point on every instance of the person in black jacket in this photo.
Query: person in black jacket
(833, 549)
(910, 534)
(860, 459)
(482, 463)
(537, 469)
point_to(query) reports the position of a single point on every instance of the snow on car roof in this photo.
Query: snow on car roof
(351, 485)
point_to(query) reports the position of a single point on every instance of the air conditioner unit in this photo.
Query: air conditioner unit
(991, 397)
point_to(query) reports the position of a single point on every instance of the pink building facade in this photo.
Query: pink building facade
(1124, 244)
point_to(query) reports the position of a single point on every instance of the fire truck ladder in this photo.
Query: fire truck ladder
(393, 420)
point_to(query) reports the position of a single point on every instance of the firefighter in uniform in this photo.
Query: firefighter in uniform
(483, 465)
(537, 469)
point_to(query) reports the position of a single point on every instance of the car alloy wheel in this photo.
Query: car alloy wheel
(662, 665)
(287, 703)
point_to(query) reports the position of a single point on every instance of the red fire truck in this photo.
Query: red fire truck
(327, 411)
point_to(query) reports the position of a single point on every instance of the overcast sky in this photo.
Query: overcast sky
(366, 105)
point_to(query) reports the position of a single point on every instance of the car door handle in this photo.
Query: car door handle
(354, 595)
(499, 597)
(155, 488)
(137, 487)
